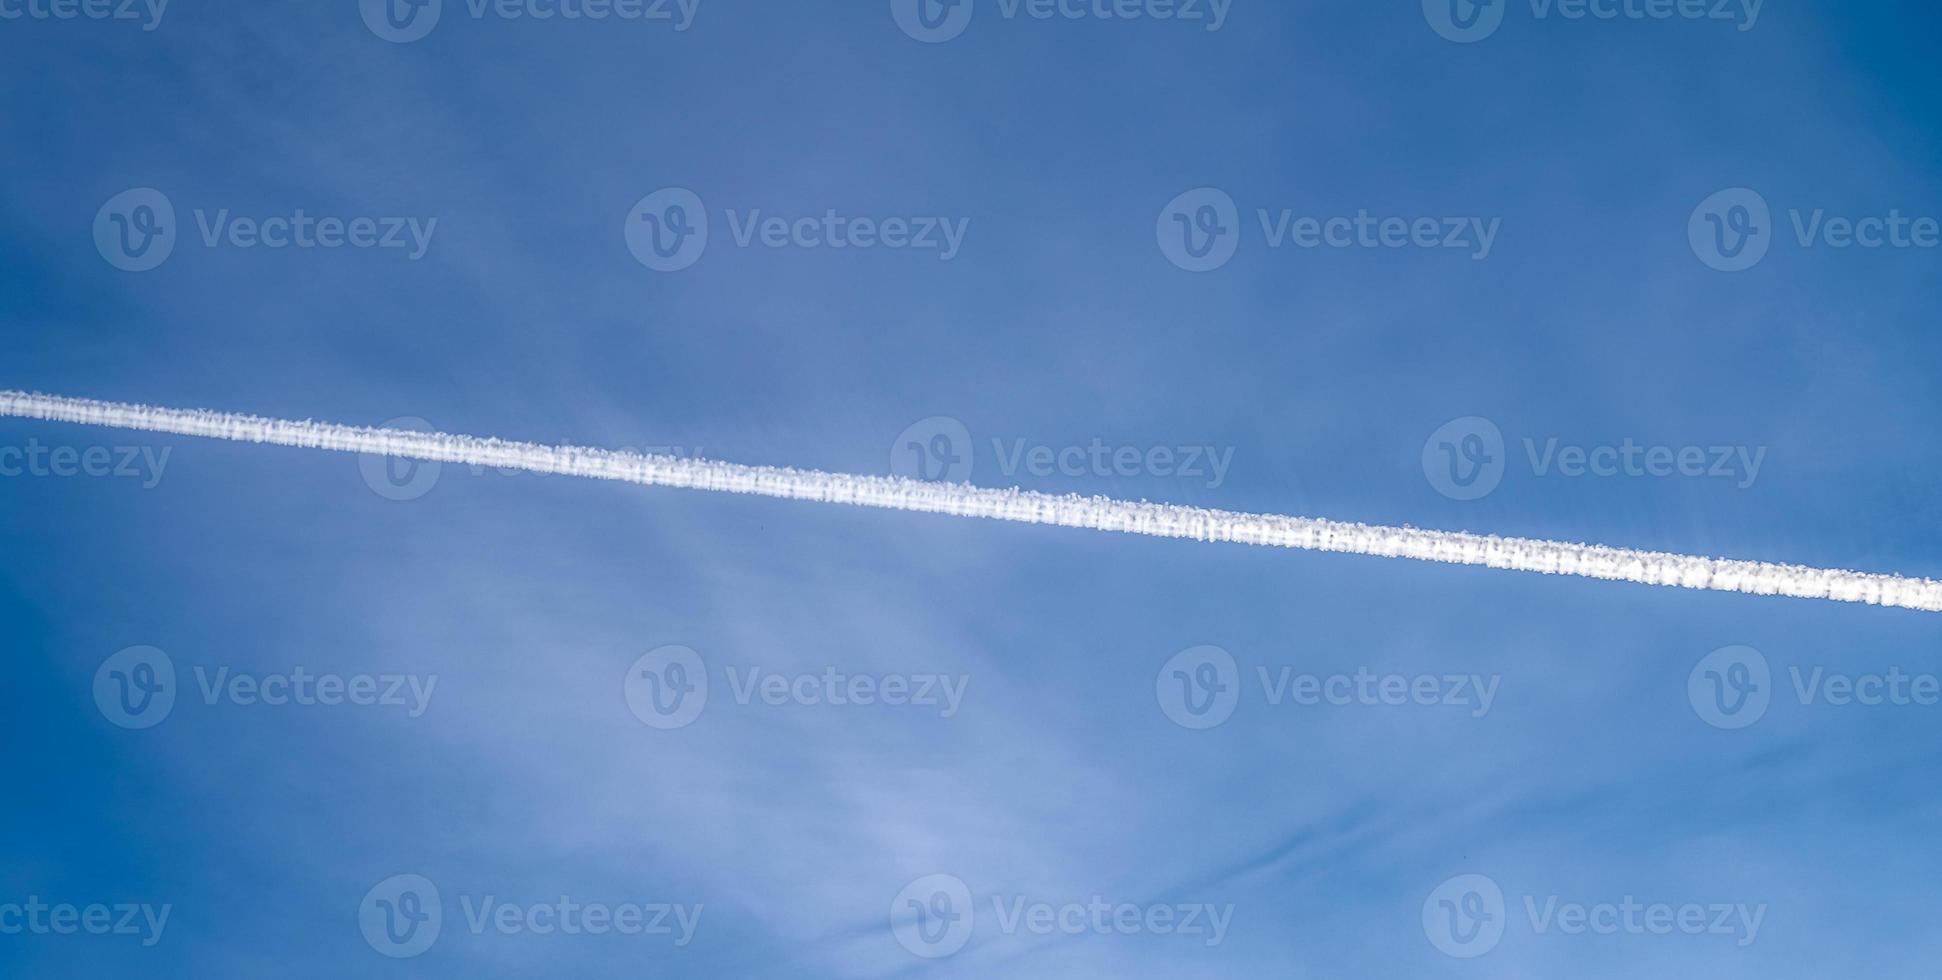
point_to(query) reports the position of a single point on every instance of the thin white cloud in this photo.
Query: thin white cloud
(962, 500)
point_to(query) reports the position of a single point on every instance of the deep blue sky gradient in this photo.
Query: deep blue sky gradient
(1324, 370)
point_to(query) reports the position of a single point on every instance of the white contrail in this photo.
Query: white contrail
(963, 500)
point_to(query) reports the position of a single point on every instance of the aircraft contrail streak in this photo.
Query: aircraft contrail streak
(1024, 506)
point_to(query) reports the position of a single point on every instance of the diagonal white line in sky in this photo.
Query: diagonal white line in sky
(1023, 506)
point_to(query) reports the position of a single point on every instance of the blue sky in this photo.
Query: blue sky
(1057, 146)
